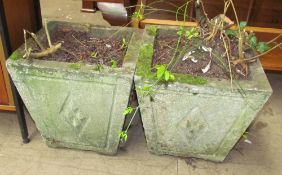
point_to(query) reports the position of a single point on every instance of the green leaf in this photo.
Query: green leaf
(167, 75)
(243, 24)
(124, 43)
(160, 71)
(181, 31)
(114, 64)
(127, 111)
(253, 41)
(94, 54)
(146, 90)
(123, 136)
(172, 77)
(231, 32)
(192, 33)
(262, 47)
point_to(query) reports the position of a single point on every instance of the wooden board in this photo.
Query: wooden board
(7, 108)
(19, 15)
(260, 13)
(6, 80)
(4, 100)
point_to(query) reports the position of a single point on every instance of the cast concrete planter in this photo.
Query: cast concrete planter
(78, 108)
(194, 118)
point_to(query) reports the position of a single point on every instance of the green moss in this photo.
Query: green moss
(189, 79)
(152, 30)
(144, 61)
(75, 66)
(16, 56)
(144, 68)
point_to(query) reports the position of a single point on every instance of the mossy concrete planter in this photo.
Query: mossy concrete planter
(193, 117)
(77, 106)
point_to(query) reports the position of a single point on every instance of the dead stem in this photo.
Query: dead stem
(274, 39)
(228, 58)
(47, 33)
(240, 38)
(44, 52)
(34, 38)
(79, 41)
(249, 59)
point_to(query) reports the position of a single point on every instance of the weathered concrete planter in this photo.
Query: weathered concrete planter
(77, 108)
(194, 118)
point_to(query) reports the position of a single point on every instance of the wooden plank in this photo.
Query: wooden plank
(7, 108)
(273, 59)
(19, 15)
(5, 74)
(4, 100)
(165, 22)
(193, 24)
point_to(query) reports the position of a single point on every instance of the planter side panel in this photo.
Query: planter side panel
(74, 111)
(198, 125)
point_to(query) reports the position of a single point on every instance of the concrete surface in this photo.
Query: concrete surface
(80, 109)
(262, 157)
(195, 120)
(69, 10)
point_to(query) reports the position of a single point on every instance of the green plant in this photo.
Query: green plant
(94, 54)
(192, 33)
(163, 74)
(152, 30)
(124, 43)
(127, 111)
(138, 14)
(114, 63)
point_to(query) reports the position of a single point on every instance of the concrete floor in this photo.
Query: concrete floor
(262, 157)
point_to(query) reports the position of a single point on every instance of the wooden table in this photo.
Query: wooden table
(266, 16)
(14, 17)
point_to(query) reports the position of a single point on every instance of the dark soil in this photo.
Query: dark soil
(164, 49)
(80, 47)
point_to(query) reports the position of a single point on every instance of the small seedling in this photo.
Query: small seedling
(252, 40)
(163, 74)
(181, 31)
(123, 136)
(152, 30)
(94, 54)
(262, 47)
(114, 63)
(192, 33)
(124, 43)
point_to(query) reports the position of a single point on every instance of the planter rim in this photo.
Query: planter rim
(257, 82)
(129, 59)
